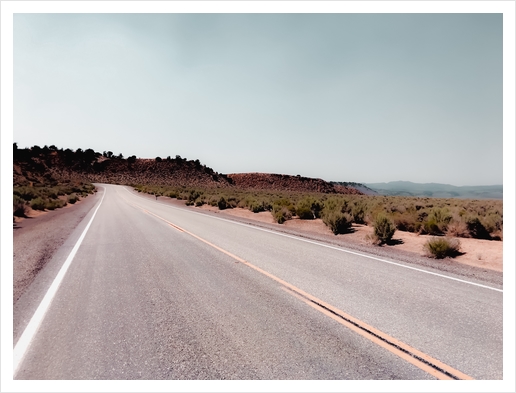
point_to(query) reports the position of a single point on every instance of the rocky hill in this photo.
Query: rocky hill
(50, 166)
(276, 182)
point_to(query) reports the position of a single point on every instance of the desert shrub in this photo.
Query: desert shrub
(384, 228)
(199, 202)
(281, 214)
(308, 208)
(189, 203)
(304, 213)
(335, 204)
(358, 211)
(430, 227)
(38, 203)
(435, 222)
(317, 207)
(406, 222)
(222, 204)
(193, 195)
(53, 193)
(337, 221)
(457, 228)
(232, 202)
(286, 203)
(282, 210)
(441, 247)
(493, 222)
(441, 217)
(54, 204)
(213, 200)
(476, 229)
(72, 198)
(256, 207)
(26, 193)
(19, 206)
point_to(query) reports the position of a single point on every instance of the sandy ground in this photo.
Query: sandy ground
(486, 254)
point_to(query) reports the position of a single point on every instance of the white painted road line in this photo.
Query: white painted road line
(335, 248)
(30, 331)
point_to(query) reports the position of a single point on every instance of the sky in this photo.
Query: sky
(343, 97)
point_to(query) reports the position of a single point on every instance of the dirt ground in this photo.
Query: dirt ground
(486, 254)
(38, 236)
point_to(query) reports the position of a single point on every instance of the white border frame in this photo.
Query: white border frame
(8, 8)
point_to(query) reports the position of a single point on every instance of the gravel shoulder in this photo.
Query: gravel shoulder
(37, 238)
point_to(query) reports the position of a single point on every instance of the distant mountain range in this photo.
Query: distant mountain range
(358, 186)
(436, 190)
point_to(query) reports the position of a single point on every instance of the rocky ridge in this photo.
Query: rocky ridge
(277, 182)
(50, 166)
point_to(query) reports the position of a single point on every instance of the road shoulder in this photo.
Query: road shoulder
(37, 239)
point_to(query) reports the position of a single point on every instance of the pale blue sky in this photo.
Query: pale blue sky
(344, 97)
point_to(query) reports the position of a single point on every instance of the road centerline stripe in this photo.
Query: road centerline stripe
(417, 358)
(23, 344)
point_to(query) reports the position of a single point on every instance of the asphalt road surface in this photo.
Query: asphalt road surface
(154, 291)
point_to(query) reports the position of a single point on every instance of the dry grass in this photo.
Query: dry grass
(442, 247)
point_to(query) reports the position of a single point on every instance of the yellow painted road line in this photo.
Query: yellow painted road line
(415, 357)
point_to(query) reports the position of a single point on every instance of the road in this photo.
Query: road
(154, 291)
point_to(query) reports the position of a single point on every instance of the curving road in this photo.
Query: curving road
(153, 291)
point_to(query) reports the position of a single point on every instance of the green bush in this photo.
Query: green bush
(476, 228)
(256, 207)
(72, 198)
(213, 200)
(493, 222)
(304, 213)
(19, 206)
(281, 214)
(437, 221)
(384, 228)
(222, 204)
(441, 247)
(358, 211)
(406, 222)
(55, 204)
(431, 227)
(38, 203)
(232, 202)
(284, 202)
(337, 221)
(308, 208)
(457, 228)
(282, 210)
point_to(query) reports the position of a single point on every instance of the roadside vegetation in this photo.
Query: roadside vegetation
(47, 197)
(480, 219)
(442, 247)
